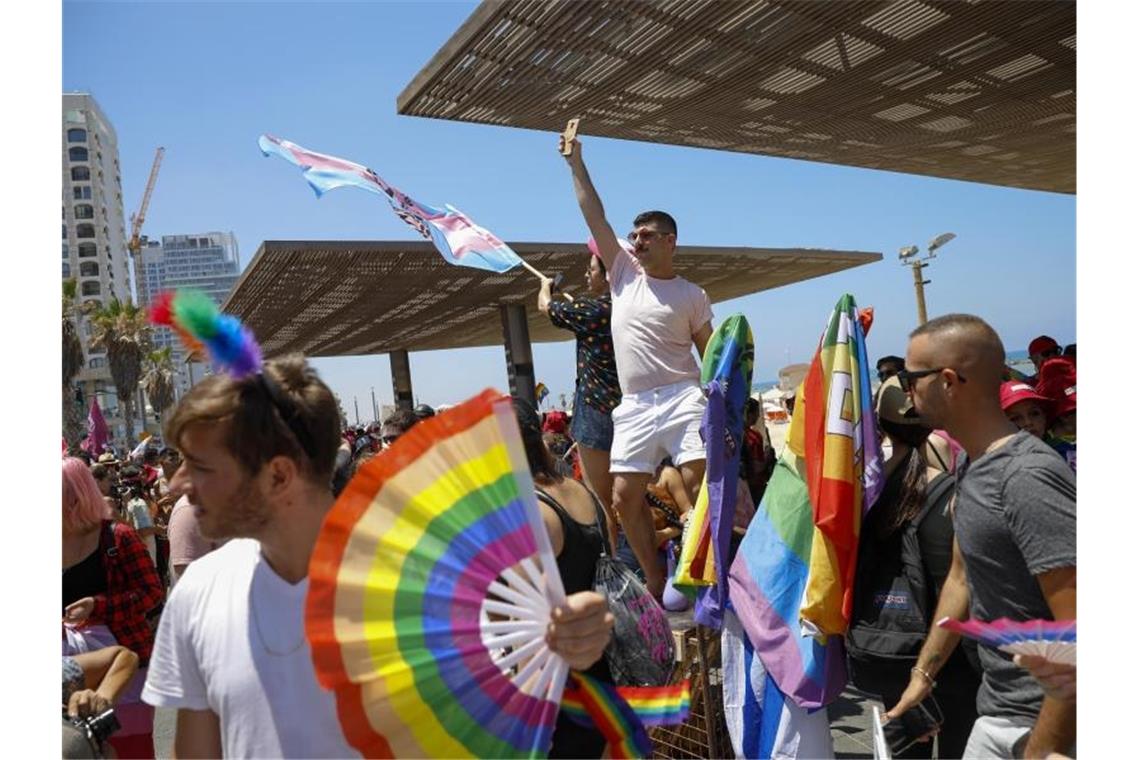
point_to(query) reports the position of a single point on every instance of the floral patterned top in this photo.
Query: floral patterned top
(588, 317)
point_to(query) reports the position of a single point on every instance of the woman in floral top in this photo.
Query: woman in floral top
(596, 389)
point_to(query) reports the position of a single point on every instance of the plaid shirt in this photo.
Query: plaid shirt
(134, 597)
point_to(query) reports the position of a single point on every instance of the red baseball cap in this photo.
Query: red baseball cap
(1058, 382)
(1014, 392)
(1041, 344)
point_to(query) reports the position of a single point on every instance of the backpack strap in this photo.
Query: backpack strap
(935, 494)
(107, 543)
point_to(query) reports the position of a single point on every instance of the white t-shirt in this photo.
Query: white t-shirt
(653, 325)
(232, 640)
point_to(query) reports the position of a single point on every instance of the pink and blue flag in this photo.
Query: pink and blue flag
(457, 238)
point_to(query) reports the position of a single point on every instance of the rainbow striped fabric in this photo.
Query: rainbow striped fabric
(653, 705)
(844, 464)
(431, 587)
(599, 702)
(726, 376)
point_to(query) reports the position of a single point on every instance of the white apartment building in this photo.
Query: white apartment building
(205, 261)
(94, 236)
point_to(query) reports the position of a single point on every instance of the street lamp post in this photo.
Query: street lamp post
(907, 256)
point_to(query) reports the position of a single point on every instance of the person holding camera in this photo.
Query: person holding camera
(93, 682)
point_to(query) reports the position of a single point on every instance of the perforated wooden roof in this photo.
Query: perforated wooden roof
(966, 89)
(339, 298)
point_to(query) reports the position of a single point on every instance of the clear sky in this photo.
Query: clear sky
(205, 79)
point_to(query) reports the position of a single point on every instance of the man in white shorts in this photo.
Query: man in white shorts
(658, 317)
(231, 653)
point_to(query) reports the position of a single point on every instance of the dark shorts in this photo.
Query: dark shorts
(591, 427)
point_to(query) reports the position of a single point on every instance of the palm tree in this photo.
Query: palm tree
(73, 426)
(122, 330)
(158, 380)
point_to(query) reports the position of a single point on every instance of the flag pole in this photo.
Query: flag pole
(541, 276)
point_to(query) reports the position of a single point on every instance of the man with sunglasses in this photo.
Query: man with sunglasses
(1014, 551)
(658, 317)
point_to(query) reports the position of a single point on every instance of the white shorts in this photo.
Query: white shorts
(654, 424)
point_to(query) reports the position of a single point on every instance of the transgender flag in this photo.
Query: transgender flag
(457, 238)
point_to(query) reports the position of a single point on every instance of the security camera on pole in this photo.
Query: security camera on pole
(908, 253)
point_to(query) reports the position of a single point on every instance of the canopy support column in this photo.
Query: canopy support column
(401, 378)
(520, 362)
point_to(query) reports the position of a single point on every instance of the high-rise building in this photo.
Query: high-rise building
(205, 261)
(94, 236)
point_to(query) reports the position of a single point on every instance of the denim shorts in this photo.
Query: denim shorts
(591, 427)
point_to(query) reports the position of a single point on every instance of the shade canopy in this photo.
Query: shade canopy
(340, 298)
(980, 91)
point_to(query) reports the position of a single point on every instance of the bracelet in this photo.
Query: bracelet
(929, 678)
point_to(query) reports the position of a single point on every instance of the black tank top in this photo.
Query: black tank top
(581, 547)
(85, 578)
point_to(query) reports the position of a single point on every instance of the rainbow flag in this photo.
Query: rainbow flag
(726, 376)
(653, 705)
(458, 239)
(614, 717)
(541, 392)
(843, 462)
(767, 583)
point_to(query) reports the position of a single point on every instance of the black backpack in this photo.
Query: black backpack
(894, 598)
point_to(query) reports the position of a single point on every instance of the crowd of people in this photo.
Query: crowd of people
(185, 573)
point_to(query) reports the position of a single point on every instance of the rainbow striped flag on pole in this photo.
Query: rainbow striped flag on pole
(844, 463)
(790, 583)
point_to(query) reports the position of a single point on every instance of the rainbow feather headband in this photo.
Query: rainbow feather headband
(196, 320)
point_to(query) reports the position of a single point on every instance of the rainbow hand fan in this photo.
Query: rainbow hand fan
(1054, 640)
(431, 587)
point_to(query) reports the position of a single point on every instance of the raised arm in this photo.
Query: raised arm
(591, 206)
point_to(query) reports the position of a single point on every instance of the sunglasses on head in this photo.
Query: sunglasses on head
(907, 378)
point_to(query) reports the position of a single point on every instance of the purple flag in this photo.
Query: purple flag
(97, 433)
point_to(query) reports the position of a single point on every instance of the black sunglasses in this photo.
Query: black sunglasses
(907, 377)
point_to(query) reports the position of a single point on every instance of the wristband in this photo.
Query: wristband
(929, 678)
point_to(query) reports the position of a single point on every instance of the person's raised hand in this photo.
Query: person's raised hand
(1057, 680)
(79, 610)
(575, 150)
(581, 629)
(86, 702)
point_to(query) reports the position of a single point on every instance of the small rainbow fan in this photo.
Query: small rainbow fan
(430, 589)
(195, 319)
(1054, 640)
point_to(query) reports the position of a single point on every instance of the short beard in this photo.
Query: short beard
(246, 515)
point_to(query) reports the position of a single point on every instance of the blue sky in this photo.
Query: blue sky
(205, 79)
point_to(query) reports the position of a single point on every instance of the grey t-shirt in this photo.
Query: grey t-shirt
(1015, 518)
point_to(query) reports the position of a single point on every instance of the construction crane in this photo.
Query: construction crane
(138, 218)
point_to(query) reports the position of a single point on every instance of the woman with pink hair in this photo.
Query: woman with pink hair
(111, 594)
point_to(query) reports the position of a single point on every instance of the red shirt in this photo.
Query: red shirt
(134, 597)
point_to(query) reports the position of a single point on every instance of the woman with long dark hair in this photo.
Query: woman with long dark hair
(905, 547)
(571, 515)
